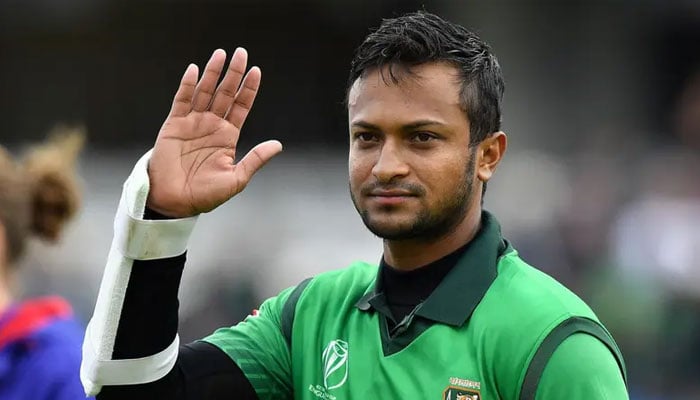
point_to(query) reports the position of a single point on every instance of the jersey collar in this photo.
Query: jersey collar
(456, 297)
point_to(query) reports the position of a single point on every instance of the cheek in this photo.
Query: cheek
(359, 168)
(445, 176)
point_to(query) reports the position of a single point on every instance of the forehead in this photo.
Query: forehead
(429, 90)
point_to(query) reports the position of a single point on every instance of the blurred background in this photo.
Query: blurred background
(600, 187)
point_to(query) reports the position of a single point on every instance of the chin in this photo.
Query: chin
(391, 230)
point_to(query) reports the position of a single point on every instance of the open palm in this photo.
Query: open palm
(193, 167)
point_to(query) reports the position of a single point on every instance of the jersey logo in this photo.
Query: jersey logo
(462, 389)
(334, 360)
(335, 364)
(456, 393)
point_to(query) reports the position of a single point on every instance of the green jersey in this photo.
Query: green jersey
(491, 330)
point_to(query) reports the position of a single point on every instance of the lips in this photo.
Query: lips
(390, 193)
(390, 197)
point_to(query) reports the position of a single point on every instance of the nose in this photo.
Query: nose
(390, 164)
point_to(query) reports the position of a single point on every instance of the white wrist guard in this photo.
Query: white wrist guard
(134, 239)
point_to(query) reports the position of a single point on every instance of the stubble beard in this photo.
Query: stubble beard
(428, 225)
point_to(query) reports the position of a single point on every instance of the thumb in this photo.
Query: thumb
(256, 158)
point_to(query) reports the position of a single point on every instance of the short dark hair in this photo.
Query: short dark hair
(420, 37)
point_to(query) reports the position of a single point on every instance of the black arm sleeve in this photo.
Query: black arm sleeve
(148, 324)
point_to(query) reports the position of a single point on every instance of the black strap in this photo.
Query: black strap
(554, 339)
(290, 306)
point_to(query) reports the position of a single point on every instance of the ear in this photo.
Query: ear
(489, 154)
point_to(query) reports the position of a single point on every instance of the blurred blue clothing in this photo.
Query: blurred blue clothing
(40, 351)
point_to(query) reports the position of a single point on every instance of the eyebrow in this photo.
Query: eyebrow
(413, 125)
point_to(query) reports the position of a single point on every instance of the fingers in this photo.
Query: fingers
(256, 158)
(226, 92)
(182, 103)
(245, 97)
(231, 99)
(204, 91)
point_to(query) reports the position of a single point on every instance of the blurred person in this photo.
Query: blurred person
(655, 240)
(656, 248)
(450, 312)
(39, 338)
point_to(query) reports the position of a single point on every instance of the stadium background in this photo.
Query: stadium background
(600, 187)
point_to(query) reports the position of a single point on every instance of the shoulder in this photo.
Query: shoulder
(356, 278)
(352, 281)
(520, 309)
(338, 289)
(357, 274)
(66, 333)
(53, 353)
(44, 325)
(532, 295)
(58, 343)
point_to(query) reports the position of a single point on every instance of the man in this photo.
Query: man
(451, 312)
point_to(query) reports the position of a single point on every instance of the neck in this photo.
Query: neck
(5, 292)
(5, 296)
(407, 255)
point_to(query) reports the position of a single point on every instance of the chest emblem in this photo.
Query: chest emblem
(453, 393)
(462, 389)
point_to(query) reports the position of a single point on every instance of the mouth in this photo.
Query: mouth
(390, 197)
(390, 193)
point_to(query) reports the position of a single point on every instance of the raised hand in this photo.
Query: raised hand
(193, 168)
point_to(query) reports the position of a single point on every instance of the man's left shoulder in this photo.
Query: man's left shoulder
(523, 305)
(519, 310)
(534, 294)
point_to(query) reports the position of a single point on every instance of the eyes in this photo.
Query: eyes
(419, 138)
(366, 137)
(423, 137)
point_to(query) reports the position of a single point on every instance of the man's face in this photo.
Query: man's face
(411, 168)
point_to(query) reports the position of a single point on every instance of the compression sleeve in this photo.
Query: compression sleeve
(582, 368)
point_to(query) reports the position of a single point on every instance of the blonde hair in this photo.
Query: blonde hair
(40, 192)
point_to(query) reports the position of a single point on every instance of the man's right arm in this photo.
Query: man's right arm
(193, 168)
(131, 344)
(137, 315)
